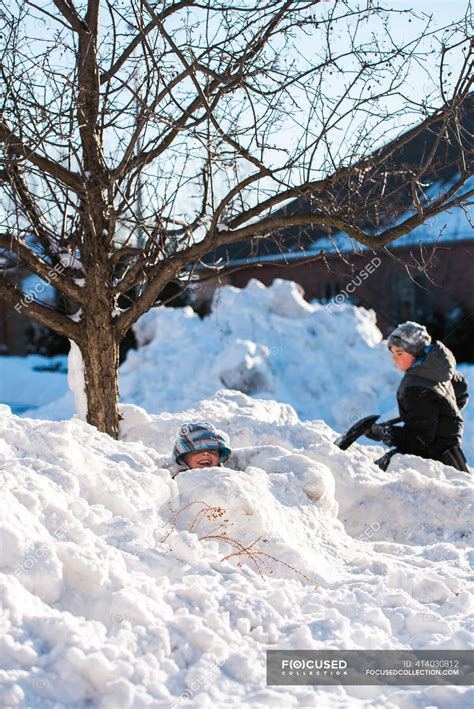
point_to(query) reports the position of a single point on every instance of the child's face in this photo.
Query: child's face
(207, 458)
(403, 360)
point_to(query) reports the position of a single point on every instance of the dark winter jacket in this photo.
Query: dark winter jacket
(430, 397)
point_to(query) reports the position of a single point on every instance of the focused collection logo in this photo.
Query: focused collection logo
(370, 667)
(312, 666)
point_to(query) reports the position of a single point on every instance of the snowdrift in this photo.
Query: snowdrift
(266, 342)
(122, 587)
(269, 343)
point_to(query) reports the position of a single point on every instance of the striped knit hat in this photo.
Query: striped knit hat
(197, 437)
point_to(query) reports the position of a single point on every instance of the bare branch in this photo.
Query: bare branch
(49, 273)
(23, 303)
(7, 136)
(139, 38)
(67, 9)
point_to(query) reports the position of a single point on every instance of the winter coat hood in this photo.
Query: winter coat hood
(436, 364)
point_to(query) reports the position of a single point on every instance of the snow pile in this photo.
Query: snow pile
(266, 342)
(122, 587)
(326, 362)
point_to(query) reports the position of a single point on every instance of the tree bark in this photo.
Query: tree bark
(100, 340)
(100, 352)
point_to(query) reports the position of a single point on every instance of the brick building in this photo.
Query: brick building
(427, 275)
(394, 293)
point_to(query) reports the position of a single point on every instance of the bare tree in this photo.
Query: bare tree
(138, 135)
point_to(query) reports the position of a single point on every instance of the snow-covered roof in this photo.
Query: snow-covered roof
(450, 227)
(394, 167)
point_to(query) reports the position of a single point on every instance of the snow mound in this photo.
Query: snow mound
(123, 587)
(268, 342)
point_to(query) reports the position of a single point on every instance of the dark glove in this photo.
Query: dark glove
(380, 432)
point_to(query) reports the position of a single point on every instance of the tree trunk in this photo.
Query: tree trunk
(100, 352)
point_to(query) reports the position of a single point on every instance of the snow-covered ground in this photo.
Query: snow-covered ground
(32, 381)
(121, 587)
(124, 588)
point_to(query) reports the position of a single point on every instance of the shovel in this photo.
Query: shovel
(358, 429)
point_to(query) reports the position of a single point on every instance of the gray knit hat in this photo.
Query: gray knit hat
(410, 337)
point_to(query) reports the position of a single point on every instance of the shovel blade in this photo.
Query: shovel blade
(355, 431)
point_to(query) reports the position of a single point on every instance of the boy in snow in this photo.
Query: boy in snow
(430, 398)
(199, 445)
